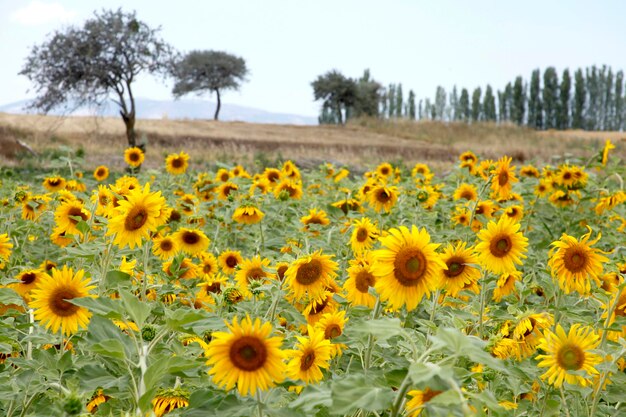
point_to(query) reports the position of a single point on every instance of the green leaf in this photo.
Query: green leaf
(9, 296)
(471, 347)
(313, 397)
(136, 309)
(111, 348)
(422, 373)
(101, 306)
(382, 329)
(356, 391)
(115, 278)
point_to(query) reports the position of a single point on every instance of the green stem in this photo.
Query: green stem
(564, 401)
(367, 358)
(146, 270)
(404, 388)
(262, 237)
(259, 403)
(482, 305)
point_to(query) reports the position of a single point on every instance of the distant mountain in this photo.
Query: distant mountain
(176, 109)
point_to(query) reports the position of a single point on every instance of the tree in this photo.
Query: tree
(518, 101)
(550, 97)
(368, 96)
(580, 96)
(208, 71)
(399, 101)
(591, 116)
(535, 108)
(337, 91)
(464, 106)
(619, 101)
(563, 116)
(411, 105)
(391, 96)
(87, 64)
(454, 104)
(476, 107)
(489, 105)
(440, 103)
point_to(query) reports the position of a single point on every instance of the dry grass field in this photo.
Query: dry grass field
(360, 143)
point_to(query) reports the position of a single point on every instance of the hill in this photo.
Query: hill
(360, 143)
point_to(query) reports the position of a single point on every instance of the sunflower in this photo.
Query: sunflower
(136, 217)
(246, 356)
(486, 208)
(343, 173)
(419, 400)
(101, 173)
(5, 247)
(407, 268)
(228, 261)
(250, 270)
(347, 204)
(360, 279)
(239, 171)
(222, 175)
(68, 214)
(315, 216)
(364, 234)
(185, 269)
(382, 198)
(312, 353)
(49, 300)
(422, 173)
(103, 198)
(527, 332)
(288, 188)
(290, 170)
(466, 192)
(605, 152)
(177, 164)
(318, 308)
(226, 189)
(462, 272)
(310, 276)
(615, 332)
(515, 212)
(169, 399)
(213, 284)
(53, 184)
(428, 196)
(529, 171)
(27, 281)
(191, 241)
(461, 216)
(96, 399)
(384, 170)
(208, 264)
(506, 285)
(164, 247)
(59, 237)
(273, 175)
(134, 156)
(574, 263)
(248, 215)
(569, 357)
(262, 184)
(501, 245)
(503, 177)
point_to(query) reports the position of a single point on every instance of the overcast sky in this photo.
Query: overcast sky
(288, 43)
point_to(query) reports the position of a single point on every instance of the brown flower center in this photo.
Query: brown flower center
(361, 234)
(215, 288)
(134, 156)
(331, 331)
(429, 394)
(54, 182)
(136, 218)
(383, 196)
(567, 176)
(309, 272)
(177, 163)
(570, 357)
(467, 195)
(231, 261)
(248, 353)
(575, 259)
(76, 212)
(456, 266)
(364, 280)
(308, 359)
(528, 332)
(28, 278)
(410, 266)
(166, 245)
(319, 307)
(101, 172)
(273, 176)
(280, 271)
(500, 246)
(59, 306)
(190, 237)
(503, 178)
(255, 273)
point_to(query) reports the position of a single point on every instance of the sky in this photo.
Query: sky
(288, 43)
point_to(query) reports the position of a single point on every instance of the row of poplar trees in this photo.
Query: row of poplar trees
(592, 98)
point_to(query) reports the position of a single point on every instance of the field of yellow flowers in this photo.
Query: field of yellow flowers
(496, 290)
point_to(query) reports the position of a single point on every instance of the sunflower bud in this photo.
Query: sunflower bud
(148, 333)
(73, 405)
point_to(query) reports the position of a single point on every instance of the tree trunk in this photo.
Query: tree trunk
(339, 115)
(129, 121)
(219, 105)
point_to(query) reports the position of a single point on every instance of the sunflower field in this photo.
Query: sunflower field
(490, 290)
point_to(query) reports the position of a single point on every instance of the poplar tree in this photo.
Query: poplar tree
(391, 97)
(464, 106)
(502, 116)
(454, 104)
(578, 109)
(440, 103)
(411, 105)
(609, 106)
(535, 108)
(518, 101)
(563, 117)
(591, 114)
(508, 101)
(476, 107)
(399, 101)
(619, 101)
(489, 105)
(550, 97)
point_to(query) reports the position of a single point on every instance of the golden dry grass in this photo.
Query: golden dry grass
(361, 143)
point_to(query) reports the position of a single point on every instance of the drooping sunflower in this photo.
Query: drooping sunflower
(364, 235)
(49, 300)
(53, 184)
(289, 188)
(529, 171)
(485, 208)
(5, 247)
(169, 399)
(250, 270)
(68, 215)
(575, 263)
(407, 268)
(605, 151)
(528, 332)
(312, 354)
(225, 189)
(360, 279)
(164, 247)
(191, 241)
(506, 285)
(310, 276)
(290, 170)
(246, 356)
(315, 216)
(99, 397)
(177, 163)
(462, 272)
(248, 215)
(419, 400)
(101, 173)
(134, 156)
(229, 260)
(185, 269)
(501, 245)
(28, 281)
(515, 212)
(569, 357)
(382, 197)
(503, 177)
(466, 192)
(318, 308)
